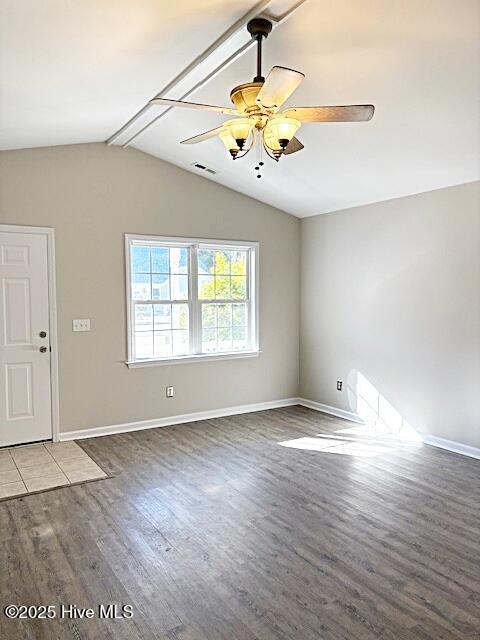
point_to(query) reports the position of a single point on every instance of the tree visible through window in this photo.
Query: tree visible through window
(190, 299)
(223, 294)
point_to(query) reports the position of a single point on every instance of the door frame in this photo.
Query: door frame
(49, 233)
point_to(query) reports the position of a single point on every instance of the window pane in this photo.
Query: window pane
(141, 286)
(160, 287)
(162, 344)
(209, 340)
(179, 287)
(224, 336)
(162, 316)
(160, 260)
(222, 262)
(206, 260)
(239, 315)
(224, 315)
(239, 287)
(239, 336)
(206, 287)
(180, 342)
(143, 317)
(140, 259)
(222, 287)
(180, 316)
(238, 263)
(144, 344)
(178, 260)
(208, 315)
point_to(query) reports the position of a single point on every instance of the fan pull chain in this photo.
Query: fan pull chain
(260, 163)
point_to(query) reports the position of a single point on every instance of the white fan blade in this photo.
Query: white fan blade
(349, 113)
(279, 85)
(202, 136)
(166, 102)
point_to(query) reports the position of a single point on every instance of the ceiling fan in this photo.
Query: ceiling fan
(257, 104)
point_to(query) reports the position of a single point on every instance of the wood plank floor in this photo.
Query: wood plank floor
(212, 530)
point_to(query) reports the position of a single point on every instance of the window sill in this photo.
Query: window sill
(189, 359)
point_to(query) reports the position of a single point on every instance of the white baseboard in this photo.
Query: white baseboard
(455, 447)
(94, 432)
(172, 420)
(333, 411)
(442, 443)
(434, 441)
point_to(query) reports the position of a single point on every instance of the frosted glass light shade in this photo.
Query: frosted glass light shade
(280, 129)
(228, 140)
(271, 141)
(239, 128)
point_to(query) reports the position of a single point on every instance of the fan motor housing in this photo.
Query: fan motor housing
(244, 97)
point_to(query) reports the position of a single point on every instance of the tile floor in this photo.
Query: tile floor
(38, 467)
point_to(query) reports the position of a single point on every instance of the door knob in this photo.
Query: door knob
(43, 349)
(43, 334)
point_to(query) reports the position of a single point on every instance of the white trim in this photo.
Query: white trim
(455, 447)
(128, 295)
(201, 357)
(194, 319)
(49, 232)
(254, 282)
(173, 420)
(434, 441)
(186, 242)
(95, 432)
(333, 411)
(52, 295)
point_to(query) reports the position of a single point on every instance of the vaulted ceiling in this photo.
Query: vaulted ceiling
(74, 72)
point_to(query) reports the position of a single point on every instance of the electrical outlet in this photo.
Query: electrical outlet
(339, 385)
(81, 325)
(169, 392)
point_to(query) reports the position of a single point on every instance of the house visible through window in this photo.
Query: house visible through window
(189, 299)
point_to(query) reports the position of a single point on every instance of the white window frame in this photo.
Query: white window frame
(193, 303)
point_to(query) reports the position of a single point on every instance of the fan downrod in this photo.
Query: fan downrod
(259, 28)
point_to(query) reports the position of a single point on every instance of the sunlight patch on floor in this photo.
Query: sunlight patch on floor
(384, 429)
(339, 446)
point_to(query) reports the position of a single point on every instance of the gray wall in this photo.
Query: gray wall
(391, 292)
(92, 195)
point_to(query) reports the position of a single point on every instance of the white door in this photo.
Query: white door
(25, 393)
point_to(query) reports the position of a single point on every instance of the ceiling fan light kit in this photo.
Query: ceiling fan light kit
(279, 131)
(257, 104)
(240, 130)
(229, 142)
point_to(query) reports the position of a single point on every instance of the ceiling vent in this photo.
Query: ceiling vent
(202, 167)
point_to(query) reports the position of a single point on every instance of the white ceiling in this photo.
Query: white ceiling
(74, 72)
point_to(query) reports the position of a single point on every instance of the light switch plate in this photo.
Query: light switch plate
(81, 325)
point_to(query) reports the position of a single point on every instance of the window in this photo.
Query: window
(190, 299)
